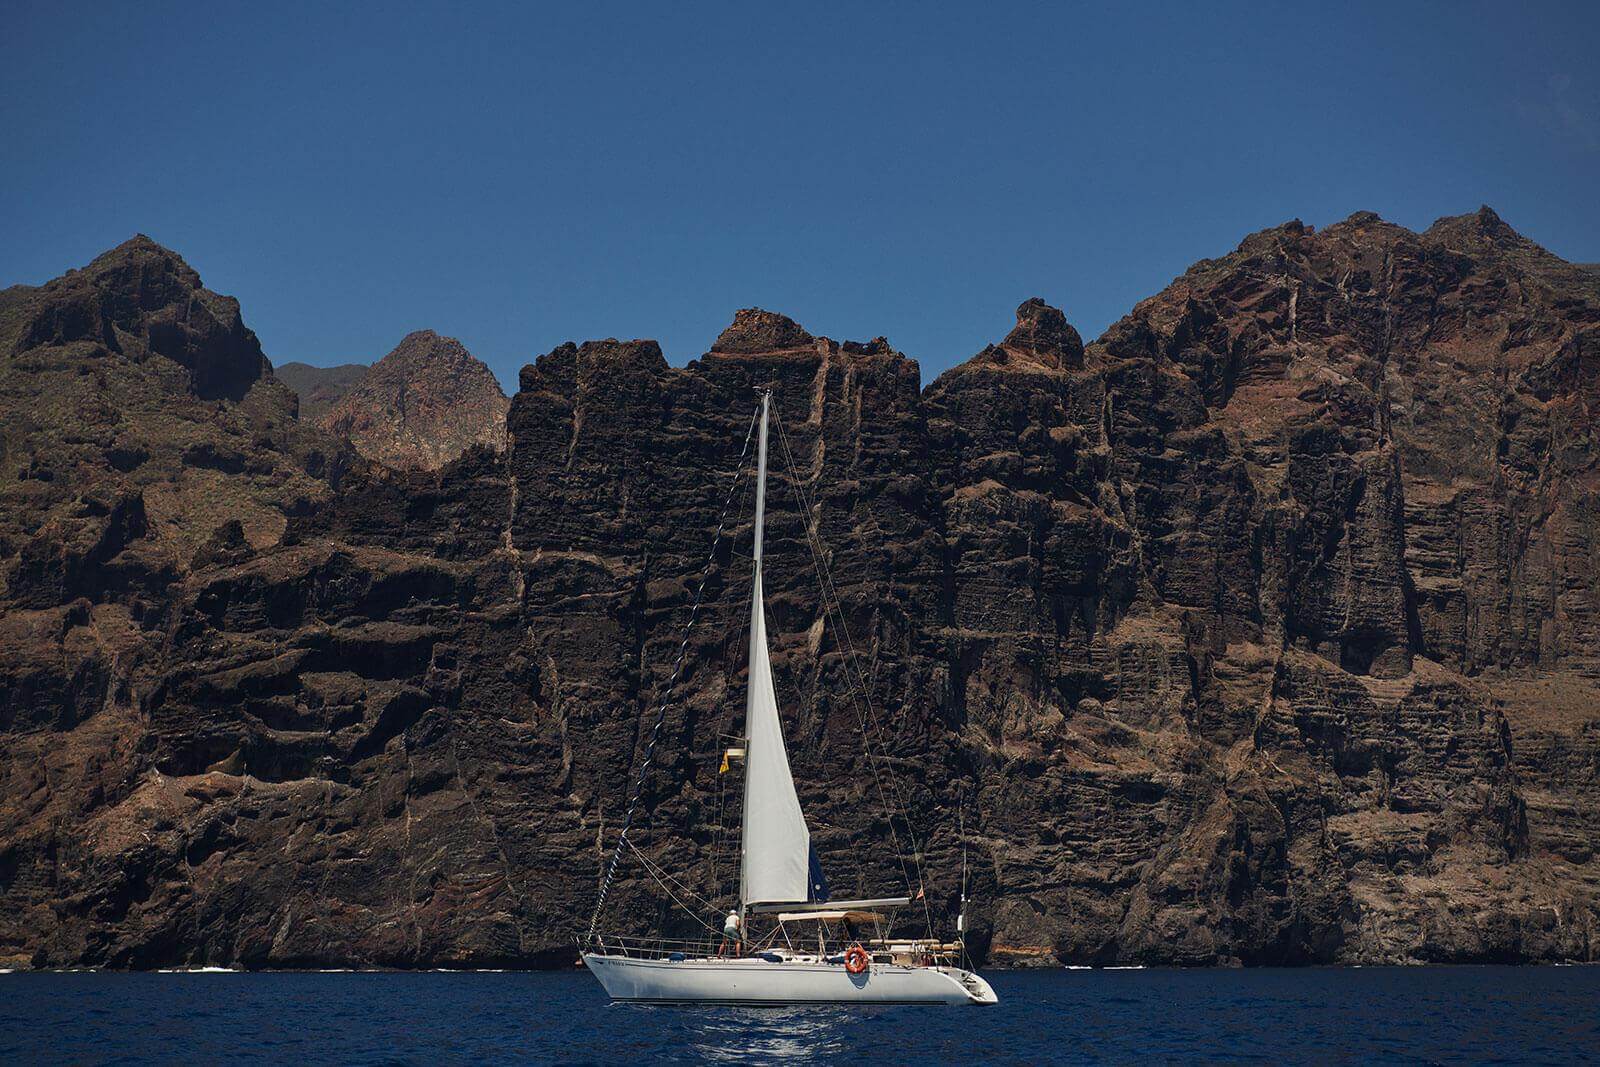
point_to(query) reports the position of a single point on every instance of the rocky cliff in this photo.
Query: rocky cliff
(421, 406)
(1261, 630)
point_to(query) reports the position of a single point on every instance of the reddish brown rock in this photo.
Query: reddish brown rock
(1043, 339)
(754, 330)
(422, 405)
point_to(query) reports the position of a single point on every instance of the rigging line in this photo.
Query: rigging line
(672, 683)
(733, 613)
(834, 609)
(961, 831)
(666, 881)
(858, 682)
(833, 603)
(688, 910)
(863, 692)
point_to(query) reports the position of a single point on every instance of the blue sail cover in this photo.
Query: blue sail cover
(819, 880)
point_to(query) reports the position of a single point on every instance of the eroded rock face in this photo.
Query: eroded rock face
(139, 301)
(1261, 630)
(137, 414)
(422, 405)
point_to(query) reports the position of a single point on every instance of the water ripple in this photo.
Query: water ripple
(1389, 1015)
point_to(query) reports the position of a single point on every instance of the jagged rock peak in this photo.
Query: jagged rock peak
(1043, 339)
(1043, 332)
(878, 346)
(140, 300)
(422, 405)
(755, 330)
(139, 246)
(1483, 226)
(425, 348)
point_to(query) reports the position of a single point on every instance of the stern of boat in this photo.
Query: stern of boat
(977, 989)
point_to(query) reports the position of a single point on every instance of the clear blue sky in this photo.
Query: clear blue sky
(522, 175)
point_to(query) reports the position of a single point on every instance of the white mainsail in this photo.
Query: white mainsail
(777, 844)
(776, 865)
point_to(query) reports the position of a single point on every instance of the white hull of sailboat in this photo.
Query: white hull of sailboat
(758, 981)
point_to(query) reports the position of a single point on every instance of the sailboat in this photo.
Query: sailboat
(816, 950)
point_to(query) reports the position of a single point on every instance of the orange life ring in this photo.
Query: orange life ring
(856, 959)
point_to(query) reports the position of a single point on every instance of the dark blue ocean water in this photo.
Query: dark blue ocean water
(1388, 1015)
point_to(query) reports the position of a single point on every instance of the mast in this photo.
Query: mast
(761, 489)
(756, 634)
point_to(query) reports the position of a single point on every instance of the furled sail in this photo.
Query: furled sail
(777, 844)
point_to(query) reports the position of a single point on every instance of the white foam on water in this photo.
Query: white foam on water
(470, 970)
(198, 970)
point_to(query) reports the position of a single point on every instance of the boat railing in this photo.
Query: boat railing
(663, 948)
(655, 948)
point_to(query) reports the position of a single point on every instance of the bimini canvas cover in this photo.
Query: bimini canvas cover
(777, 844)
